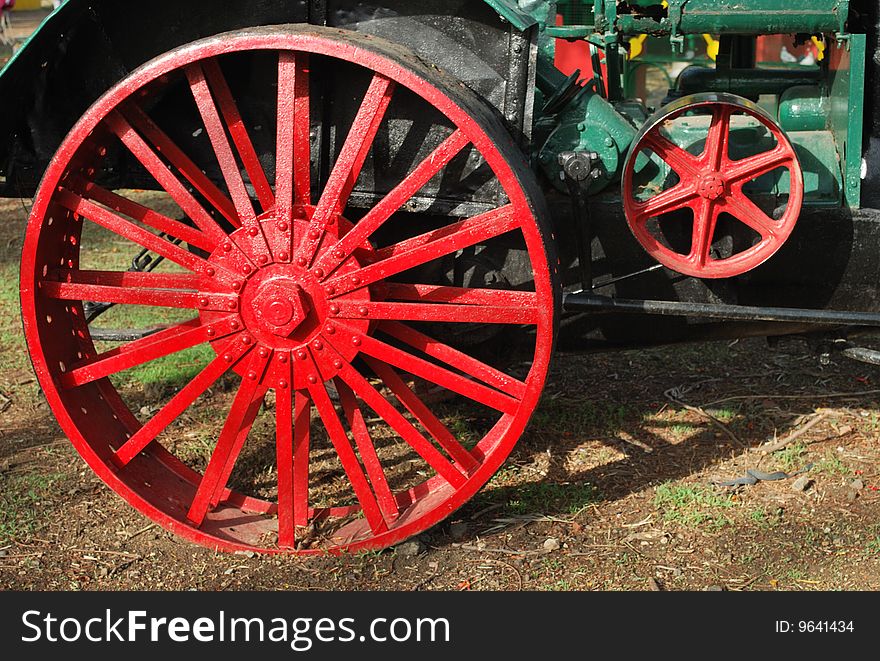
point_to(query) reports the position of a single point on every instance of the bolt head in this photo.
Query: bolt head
(253, 231)
(319, 346)
(337, 364)
(282, 358)
(210, 271)
(302, 355)
(313, 379)
(356, 341)
(283, 256)
(301, 261)
(227, 246)
(283, 384)
(314, 235)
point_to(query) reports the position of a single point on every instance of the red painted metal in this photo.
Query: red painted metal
(709, 185)
(293, 298)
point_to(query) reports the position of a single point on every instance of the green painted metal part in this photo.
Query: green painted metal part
(846, 119)
(738, 17)
(804, 108)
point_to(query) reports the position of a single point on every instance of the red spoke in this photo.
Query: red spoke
(349, 163)
(222, 149)
(378, 215)
(715, 153)
(756, 166)
(451, 313)
(738, 205)
(239, 133)
(685, 164)
(438, 375)
(148, 217)
(166, 178)
(158, 345)
(180, 402)
(293, 159)
(461, 295)
(160, 298)
(247, 425)
(401, 426)
(228, 442)
(386, 500)
(705, 220)
(190, 171)
(302, 414)
(129, 230)
(677, 197)
(284, 456)
(423, 414)
(362, 490)
(147, 280)
(430, 246)
(456, 359)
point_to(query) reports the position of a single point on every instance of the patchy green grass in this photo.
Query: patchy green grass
(20, 498)
(832, 464)
(692, 505)
(791, 458)
(520, 498)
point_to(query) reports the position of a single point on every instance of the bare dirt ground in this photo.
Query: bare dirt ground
(611, 487)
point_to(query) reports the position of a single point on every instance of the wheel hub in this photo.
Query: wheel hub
(285, 308)
(711, 186)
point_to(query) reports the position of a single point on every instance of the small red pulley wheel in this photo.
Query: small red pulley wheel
(711, 186)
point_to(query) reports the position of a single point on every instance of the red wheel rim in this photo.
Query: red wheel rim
(290, 298)
(710, 185)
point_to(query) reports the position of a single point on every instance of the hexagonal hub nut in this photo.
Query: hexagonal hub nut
(281, 307)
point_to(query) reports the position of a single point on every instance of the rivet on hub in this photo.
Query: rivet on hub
(356, 341)
(319, 346)
(247, 339)
(252, 376)
(262, 259)
(210, 271)
(264, 352)
(363, 311)
(313, 379)
(283, 227)
(314, 235)
(283, 385)
(283, 256)
(334, 309)
(282, 358)
(204, 302)
(246, 269)
(339, 254)
(301, 261)
(227, 246)
(211, 332)
(355, 280)
(227, 358)
(253, 231)
(330, 330)
(331, 291)
(301, 354)
(319, 273)
(237, 285)
(337, 364)
(232, 305)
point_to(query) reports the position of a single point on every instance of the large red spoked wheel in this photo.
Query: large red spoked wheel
(312, 336)
(710, 193)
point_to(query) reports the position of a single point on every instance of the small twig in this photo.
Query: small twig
(833, 395)
(769, 448)
(708, 416)
(516, 571)
(140, 532)
(123, 554)
(471, 547)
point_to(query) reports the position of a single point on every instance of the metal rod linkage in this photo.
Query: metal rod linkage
(586, 302)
